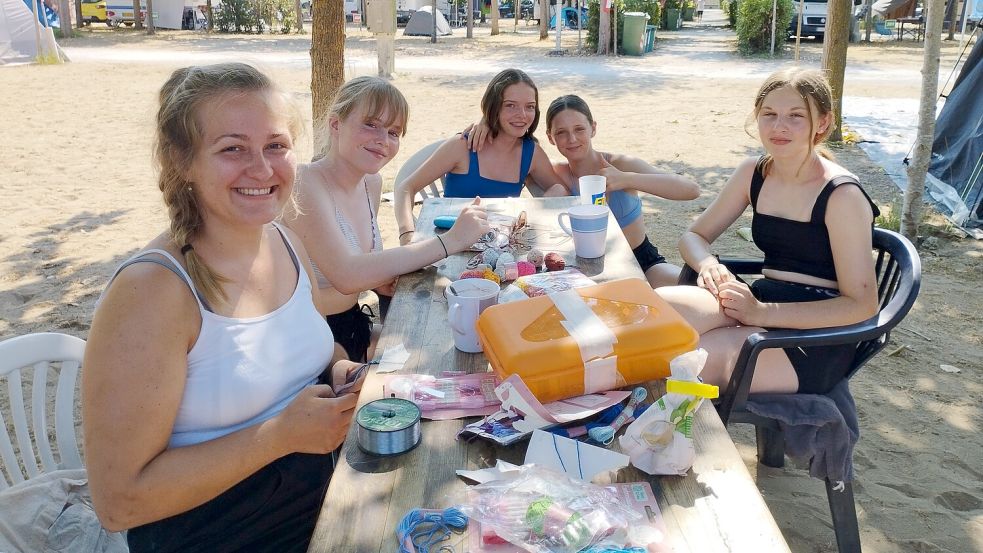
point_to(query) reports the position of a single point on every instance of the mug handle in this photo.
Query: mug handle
(452, 316)
(559, 220)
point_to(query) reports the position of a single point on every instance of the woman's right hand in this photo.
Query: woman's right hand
(470, 226)
(713, 274)
(476, 134)
(316, 421)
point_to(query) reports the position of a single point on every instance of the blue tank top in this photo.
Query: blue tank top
(471, 184)
(625, 207)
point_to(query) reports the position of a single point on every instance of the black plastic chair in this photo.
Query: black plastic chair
(898, 270)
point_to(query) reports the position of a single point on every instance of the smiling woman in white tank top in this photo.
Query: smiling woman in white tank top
(206, 426)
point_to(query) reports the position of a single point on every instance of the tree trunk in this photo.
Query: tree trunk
(65, 17)
(79, 22)
(603, 30)
(327, 56)
(137, 20)
(210, 16)
(494, 19)
(544, 18)
(471, 18)
(912, 208)
(300, 16)
(950, 14)
(834, 57)
(151, 28)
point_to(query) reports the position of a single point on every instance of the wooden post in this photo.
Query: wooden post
(65, 16)
(603, 30)
(151, 28)
(798, 28)
(471, 18)
(544, 18)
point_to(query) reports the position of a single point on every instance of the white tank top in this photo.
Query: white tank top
(244, 371)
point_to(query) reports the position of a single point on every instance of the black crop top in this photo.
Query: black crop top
(797, 246)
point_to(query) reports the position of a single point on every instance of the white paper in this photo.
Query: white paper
(393, 359)
(578, 460)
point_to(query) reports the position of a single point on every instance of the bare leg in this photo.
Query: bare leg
(663, 274)
(373, 341)
(698, 306)
(773, 371)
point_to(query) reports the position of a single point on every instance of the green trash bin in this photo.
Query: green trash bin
(649, 38)
(633, 39)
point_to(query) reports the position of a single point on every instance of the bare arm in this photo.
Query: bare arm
(351, 272)
(627, 172)
(694, 245)
(542, 173)
(134, 378)
(448, 156)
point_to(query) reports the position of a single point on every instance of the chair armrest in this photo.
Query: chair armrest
(739, 387)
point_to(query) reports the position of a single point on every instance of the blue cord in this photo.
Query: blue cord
(422, 529)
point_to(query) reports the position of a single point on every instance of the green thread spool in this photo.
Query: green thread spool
(388, 426)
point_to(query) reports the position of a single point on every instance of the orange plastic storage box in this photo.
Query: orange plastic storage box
(527, 338)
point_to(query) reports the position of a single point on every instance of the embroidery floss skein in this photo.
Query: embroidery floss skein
(422, 529)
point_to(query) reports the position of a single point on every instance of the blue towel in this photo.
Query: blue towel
(821, 429)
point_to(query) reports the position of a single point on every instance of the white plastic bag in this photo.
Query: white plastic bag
(660, 441)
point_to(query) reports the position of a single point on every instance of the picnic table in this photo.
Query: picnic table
(715, 507)
(916, 27)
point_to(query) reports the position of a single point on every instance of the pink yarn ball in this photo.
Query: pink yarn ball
(472, 273)
(526, 268)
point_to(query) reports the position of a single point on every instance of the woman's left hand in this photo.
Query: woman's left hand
(341, 373)
(739, 303)
(615, 179)
(387, 289)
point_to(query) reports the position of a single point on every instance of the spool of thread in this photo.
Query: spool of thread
(388, 426)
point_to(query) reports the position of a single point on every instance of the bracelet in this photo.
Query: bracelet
(441, 240)
(405, 232)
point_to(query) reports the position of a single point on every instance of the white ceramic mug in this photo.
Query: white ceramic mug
(592, 189)
(589, 228)
(465, 302)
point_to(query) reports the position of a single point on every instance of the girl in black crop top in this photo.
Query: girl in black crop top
(812, 221)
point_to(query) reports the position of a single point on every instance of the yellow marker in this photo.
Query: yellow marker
(686, 388)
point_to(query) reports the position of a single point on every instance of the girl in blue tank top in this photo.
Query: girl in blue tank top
(510, 105)
(570, 127)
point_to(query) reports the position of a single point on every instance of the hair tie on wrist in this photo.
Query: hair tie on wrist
(405, 232)
(185, 249)
(441, 240)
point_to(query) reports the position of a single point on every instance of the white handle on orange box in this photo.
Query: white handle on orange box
(594, 339)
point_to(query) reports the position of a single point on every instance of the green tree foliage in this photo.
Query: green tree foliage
(651, 7)
(754, 25)
(246, 16)
(730, 9)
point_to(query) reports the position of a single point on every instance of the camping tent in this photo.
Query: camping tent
(421, 24)
(893, 9)
(21, 35)
(955, 176)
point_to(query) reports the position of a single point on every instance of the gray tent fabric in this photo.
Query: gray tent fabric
(17, 36)
(421, 24)
(956, 170)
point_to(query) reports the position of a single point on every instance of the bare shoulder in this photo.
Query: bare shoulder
(373, 183)
(147, 296)
(848, 202)
(629, 163)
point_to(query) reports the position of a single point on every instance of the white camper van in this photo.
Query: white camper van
(814, 17)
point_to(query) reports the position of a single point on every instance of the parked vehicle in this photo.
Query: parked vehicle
(507, 9)
(121, 12)
(814, 17)
(94, 11)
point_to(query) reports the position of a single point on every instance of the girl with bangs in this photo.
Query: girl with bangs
(337, 207)
(813, 222)
(510, 106)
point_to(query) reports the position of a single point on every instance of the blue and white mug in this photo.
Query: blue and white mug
(588, 225)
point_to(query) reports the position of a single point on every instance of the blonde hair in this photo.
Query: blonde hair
(376, 94)
(813, 87)
(178, 136)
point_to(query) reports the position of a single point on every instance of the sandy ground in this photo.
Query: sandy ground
(79, 197)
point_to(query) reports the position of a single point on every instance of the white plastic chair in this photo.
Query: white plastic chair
(38, 352)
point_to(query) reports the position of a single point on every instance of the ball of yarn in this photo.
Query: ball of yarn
(483, 267)
(554, 262)
(490, 257)
(525, 268)
(535, 257)
(490, 275)
(472, 273)
(503, 260)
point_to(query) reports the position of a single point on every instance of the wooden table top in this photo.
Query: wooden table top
(715, 507)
